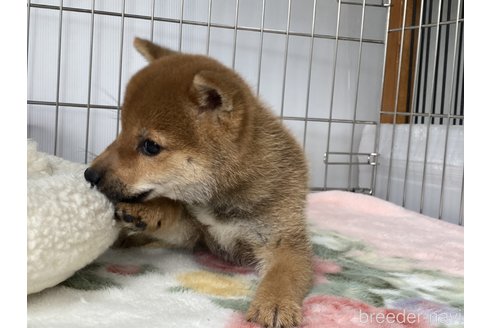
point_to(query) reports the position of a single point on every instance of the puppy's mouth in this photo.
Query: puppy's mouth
(116, 196)
(118, 192)
(136, 198)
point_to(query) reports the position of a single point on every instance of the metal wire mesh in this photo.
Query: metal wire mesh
(434, 109)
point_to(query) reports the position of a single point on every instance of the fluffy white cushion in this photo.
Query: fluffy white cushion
(68, 223)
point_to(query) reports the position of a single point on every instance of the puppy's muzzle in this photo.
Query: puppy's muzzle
(113, 189)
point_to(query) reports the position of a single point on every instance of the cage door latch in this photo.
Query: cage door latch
(372, 159)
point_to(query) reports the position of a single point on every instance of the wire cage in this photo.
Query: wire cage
(372, 89)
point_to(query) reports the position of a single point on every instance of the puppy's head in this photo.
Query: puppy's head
(184, 121)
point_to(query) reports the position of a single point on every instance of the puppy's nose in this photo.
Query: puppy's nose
(92, 176)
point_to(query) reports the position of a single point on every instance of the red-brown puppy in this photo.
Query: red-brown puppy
(201, 160)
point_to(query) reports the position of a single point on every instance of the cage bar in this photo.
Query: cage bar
(152, 19)
(181, 26)
(58, 74)
(333, 79)
(310, 71)
(460, 78)
(120, 69)
(359, 60)
(260, 52)
(28, 27)
(433, 87)
(443, 23)
(209, 21)
(383, 76)
(398, 79)
(91, 53)
(412, 107)
(286, 55)
(236, 17)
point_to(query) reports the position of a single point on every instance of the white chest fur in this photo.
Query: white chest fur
(225, 233)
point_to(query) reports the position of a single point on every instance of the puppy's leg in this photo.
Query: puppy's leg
(287, 278)
(159, 219)
(128, 238)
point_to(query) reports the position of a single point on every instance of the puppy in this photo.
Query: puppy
(200, 160)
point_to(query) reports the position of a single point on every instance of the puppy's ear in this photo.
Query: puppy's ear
(150, 50)
(211, 93)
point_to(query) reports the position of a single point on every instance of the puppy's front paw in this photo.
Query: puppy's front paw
(132, 216)
(272, 312)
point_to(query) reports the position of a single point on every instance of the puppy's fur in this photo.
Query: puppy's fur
(200, 160)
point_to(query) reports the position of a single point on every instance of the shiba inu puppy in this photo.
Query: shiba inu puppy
(200, 160)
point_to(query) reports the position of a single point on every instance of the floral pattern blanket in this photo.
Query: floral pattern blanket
(376, 265)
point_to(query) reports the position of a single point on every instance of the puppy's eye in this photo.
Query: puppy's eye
(150, 148)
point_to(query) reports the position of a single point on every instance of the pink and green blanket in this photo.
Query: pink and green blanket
(376, 265)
